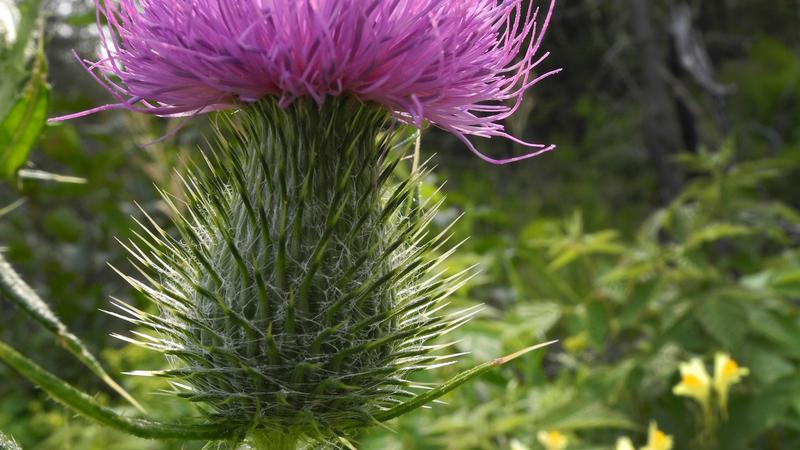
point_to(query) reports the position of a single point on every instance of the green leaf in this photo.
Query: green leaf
(725, 320)
(14, 288)
(752, 415)
(597, 321)
(14, 62)
(715, 232)
(786, 282)
(782, 331)
(21, 127)
(640, 297)
(591, 416)
(536, 319)
(767, 365)
(568, 250)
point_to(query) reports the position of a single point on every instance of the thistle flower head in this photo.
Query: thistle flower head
(303, 290)
(460, 65)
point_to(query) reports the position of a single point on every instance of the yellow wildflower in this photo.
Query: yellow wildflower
(657, 439)
(695, 382)
(624, 443)
(552, 440)
(727, 372)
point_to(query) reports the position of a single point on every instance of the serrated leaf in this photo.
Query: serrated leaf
(786, 282)
(716, 232)
(537, 318)
(753, 415)
(640, 297)
(724, 319)
(568, 250)
(591, 416)
(768, 366)
(784, 332)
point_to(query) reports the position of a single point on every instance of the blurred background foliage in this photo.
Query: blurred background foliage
(665, 226)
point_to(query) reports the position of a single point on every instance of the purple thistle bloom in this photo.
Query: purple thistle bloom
(462, 65)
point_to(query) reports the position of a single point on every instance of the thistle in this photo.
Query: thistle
(303, 290)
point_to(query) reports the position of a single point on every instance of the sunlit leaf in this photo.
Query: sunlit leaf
(21, 127)
(715, 232)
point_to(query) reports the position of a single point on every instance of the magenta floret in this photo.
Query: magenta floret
(462, 65)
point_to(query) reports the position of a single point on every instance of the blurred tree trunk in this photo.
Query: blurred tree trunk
(660, 127)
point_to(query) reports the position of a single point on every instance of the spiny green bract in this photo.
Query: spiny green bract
(7, 443)
(301, 292)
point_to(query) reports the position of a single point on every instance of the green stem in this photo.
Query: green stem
(88, 406)
(417, 154)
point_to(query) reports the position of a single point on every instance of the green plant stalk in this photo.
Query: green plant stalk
(90, 408)
(14, 288)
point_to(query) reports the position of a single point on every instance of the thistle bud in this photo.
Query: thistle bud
(301, 293)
